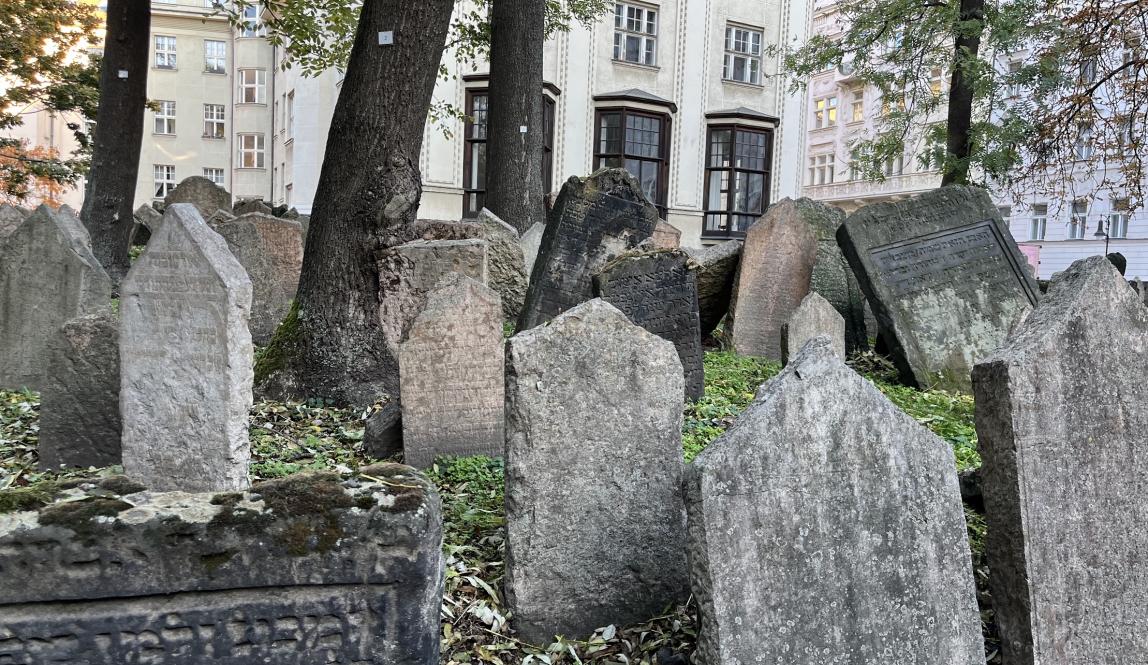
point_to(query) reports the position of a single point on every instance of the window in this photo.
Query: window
(213, 122)
(856, 168)
(214, 175)
(1088, 71)
(894, 166)
(214, 56)
(825, 112)
(250, 151)
(547, 144)
(936, 82)
(737, 179)
(858, 106)
(1079, 222)
(635, 141)
(165, 118)
(252, 86)
(742, 55)
(251, 26)
(164, 52)
(821, 168)
(1039, 222)
(290, 115)
(164, 177)
(635, 34)
(1118, 219)
(474, 157)
(1084, 147)
(1014, 67)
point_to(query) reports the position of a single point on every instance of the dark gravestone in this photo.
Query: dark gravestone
(1119, 261)
(656, 290)
(944, 278)
(833, 278)
(303, 571)
(383, 433)
(1062, 417)
(716, 268)
(594, 220)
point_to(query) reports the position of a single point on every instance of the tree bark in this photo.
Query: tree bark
(111, 186)
(960, 118)
(332, 344)
(514, 188)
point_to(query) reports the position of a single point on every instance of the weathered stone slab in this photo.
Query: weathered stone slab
(506, 266)
(1062, 412)
(656, 290)
(80, 401)
(814, 317)
(944, 278)
(666, 236)
(48, 276)
(775, 273)
(715, 272)
(186, 360)
(11, 218)
(305, 570)
(434, 259)
(594, 220)
(531, 240)
(832, 276)
(249, 206)
(826, 526)
(383, 433)
(147, 222)
(208, 197)
(271, 251)
(451, 374)
(594, 460)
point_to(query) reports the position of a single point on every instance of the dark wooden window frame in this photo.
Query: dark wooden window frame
(663, 147)
(733, 170)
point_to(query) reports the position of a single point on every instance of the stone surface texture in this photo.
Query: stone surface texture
(773, 277)
(1062, 412)
(531, 240)
(833, 278)
(383, 433)
(814, 317)
(505, 265)
(666, 236)
(595, 220)
(186, 360)
(11, 218)
(306, 570)
(826, 526)
(944, 278)
(451, 378)
(715, 272)
(80, 400)
(595, 523)
(48, 276)
(208, 197)
(271, 251)
(252, 206)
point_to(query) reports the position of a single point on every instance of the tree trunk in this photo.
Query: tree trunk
(111, 187)
(332, 344)
(514, 158)
(961, 94)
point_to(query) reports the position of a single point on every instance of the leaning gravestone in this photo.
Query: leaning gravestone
(1062, 411)
(208, 197)
(271, 251)
(944, 278)
(80, 401)
(11, 218)
(505, 264)
(48, 276)
(250, 206)
(147, 222)
(833, 278)
(774, 275)
(814, 317)
(594, 518)
(301, 570)
(451, 374)
(715, 271)
(594, 220)
(826, 526)
(531, 240)
(656, 290)
(185, 357)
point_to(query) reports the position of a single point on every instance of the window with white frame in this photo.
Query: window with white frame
(163, 176)
(1118, 219)
(825, 112)
(251, 150)
(214, 56)
(1038, 223)
(1084, 147)
(894, 165)
(857, 112)
(1078, 223)
(290, 115)
(821, 169)
(165, 118)
(214, 175)
(165, 52)
(251, 26)
(252, 86)
(1014, 67)
(635, 33)
(213, 121)
(856, 168)
(742, 55)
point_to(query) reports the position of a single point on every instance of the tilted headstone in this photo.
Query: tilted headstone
(451, 374)
(814, 317)
(656, 290)
(219, 217)
(147, 222)
(775, 273)
(594, 518)
(249, 206)
(715, 271)
(48, 276)
(833, 278)
(208, 197)
(530, 241)
(1062, 412)
(505, 264)
(383, 432)
(666, 236)
(271, 251)
(594, 220)
(306, 569)
(80, 401)
(186, 360)
(11, 218)
(434, 259)
(826, 526)
(944, 278)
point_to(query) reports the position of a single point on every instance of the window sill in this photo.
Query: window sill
(855, 123)
(209, 71)
(635, 65)
(823, 130)
(263, 104)
(214, 138)
(742, 84)
(250, 168)
(159, 134)
(164, 69)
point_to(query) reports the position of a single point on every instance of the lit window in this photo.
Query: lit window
(821, 169)
(858, 106)
(164, 52)
(1078, 224)
(935, 83)
(825, 112)
(737, 179)
(635, 34)
(250, 151)
(213, 121)
(214, 175)
(742, 55)
(214, 56)
(252, 86)
(1039, 222)
(164, 178)
(635, 141)
(165, 118)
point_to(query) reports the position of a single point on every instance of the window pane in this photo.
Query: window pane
(643, 136)
(610, 140)
(716, 190)
(719, 148)
(633, 48)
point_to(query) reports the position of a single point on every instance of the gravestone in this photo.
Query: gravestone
(716, 268)
(271, 251)
(594, 519)
(666, 236)
(249, 206)
(775, 273)
(826, 526)
(656, 290)
(48, 276)
(594, 220)
(434, 259)
(80, 401)
(185, 358)
(208, 197)
(530, 241)
(303, 570)
(944, 278)
(814, 317)
(833, 278)
(147, 222)
(451, 374)
(506, 267)
(11, 218)
(383, 432)
(1062, 411)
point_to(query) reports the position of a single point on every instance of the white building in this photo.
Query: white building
(679, 93)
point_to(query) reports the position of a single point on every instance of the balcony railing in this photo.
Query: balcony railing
(908, 184)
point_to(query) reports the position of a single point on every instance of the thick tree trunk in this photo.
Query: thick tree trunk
(332, 344)
(514, 189)
(961, 95)
(111, 187)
